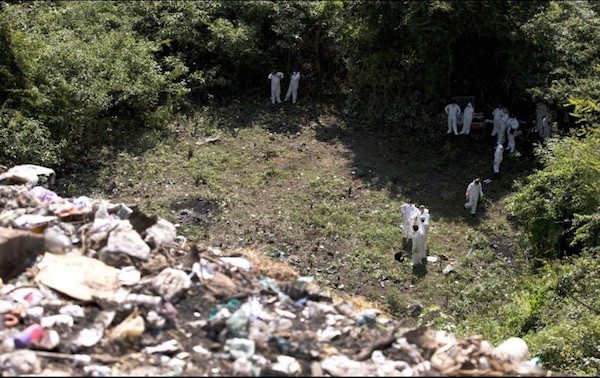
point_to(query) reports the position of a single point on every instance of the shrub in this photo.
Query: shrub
(555, 207)
(25, 140)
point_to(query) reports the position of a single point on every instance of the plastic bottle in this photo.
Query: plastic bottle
(31, 334)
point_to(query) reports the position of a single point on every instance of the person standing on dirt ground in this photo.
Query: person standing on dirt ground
(545, 129)
(467, 119)
(498, 156)
(541, 111)
(419, 241)
(473, 194)
(424, 222)
(408, 210)
(422, 212)
(275, 78)
(293, 88)
(421, 218)
(452, 110)
(511, 133)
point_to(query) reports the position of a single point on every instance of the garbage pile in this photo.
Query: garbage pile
(94, 288)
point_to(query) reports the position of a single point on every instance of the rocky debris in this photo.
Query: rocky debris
(100, 289)
(28, 174)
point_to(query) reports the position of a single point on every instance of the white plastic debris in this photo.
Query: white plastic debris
(239, 262)
(27, 174)
(154, 320)
(50, 340)
(56, 241)
(53, 320)
(89, 336)
(327, 334)
(287, 365)
(98, 370)
(204, 270)
(169, 346)
(171, 282)
(143, 299)
(124, 239)
(201, 351)
(239, 347)
(129, 276)
(20, 362)
(31, 221)
(74, 310)
(163, 232)
(514, 349)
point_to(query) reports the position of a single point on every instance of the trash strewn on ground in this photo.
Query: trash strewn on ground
(94, 288)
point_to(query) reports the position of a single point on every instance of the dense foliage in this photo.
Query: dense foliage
(77, 76)
(558, 207)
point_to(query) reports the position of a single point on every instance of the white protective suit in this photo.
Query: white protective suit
(419, 241)
(541, 111)
(497, 113)
(452, 110)
(511, 133)
(408, 211)
(422, 211)
(424, 222)
(275, 86)
(546, 130)
(473, 194)
(467, 119)
(503, 125)
(293, 88)
(498, 156)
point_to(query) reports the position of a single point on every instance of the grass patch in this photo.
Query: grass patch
(278, 184)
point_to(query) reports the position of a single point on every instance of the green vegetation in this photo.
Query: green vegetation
(558, 206)
(155, 103)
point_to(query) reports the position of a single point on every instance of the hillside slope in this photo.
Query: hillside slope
(305, 185)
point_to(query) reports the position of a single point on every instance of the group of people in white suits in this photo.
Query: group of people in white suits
(415, 226)
(453, 111)
(415, 220)
(506, 127)
(275, 78)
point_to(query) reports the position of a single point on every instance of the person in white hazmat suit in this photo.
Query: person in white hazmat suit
(541, 111)
(419, 241)
(473, 194)
(423, 212)
(452, 110)
(502, 126)
(467, 119)
(497, 114)
(511, 133)
(424, 222)
(293, 88)
(498, 156)
(545, 129)
(275, 78)
(408, 211)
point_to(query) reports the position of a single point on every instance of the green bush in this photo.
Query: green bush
(555, 208)
(89, 74)
(26, 141)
